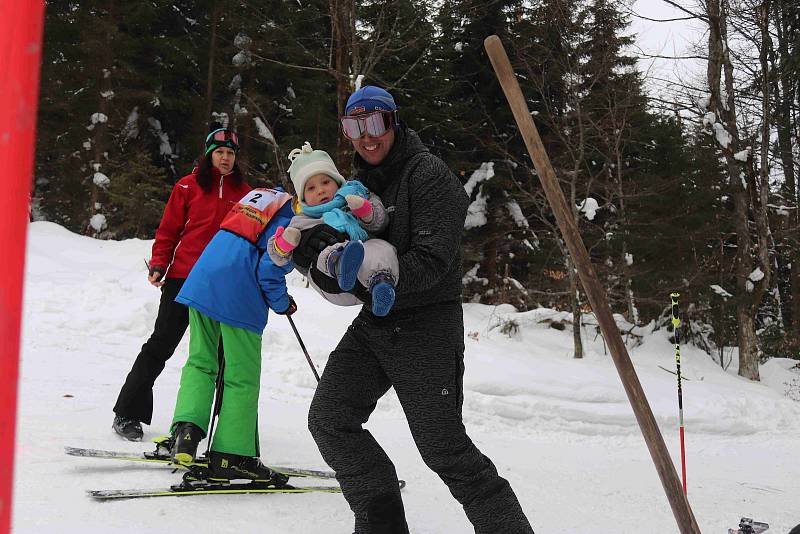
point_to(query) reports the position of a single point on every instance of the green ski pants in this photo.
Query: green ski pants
(237, 428)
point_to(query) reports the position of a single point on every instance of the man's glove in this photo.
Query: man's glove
(291, 309)
(313, 241)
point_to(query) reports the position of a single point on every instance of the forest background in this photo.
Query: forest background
(692, 190)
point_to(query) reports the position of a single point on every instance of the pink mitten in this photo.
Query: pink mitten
(359, 207)
(286, 239)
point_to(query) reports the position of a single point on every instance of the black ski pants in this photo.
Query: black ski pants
(136, 397)
(420, 353)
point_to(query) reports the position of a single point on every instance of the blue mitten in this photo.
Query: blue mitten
(353, 187)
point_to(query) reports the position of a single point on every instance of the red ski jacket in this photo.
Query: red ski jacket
(191, 218)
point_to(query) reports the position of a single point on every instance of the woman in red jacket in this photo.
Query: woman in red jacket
(194, 211)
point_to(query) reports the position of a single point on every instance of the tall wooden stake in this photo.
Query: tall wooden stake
(594, 290)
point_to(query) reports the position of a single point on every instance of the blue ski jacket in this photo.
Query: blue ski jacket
(235, 281)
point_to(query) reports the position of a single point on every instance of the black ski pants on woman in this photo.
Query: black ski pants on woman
(420, 353)
(135, 400)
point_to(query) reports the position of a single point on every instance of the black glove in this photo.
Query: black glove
(157, 270)
(313, 241)
(291, 309)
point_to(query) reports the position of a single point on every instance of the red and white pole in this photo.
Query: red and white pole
(20, 58)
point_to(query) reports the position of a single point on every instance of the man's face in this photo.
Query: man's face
(373, 150)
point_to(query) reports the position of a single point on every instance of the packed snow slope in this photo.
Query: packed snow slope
(561, 430)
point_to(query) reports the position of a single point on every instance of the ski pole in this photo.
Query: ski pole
(218, 391)
(302, 346)
(676, 322)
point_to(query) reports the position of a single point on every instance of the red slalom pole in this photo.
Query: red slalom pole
(20, 58)
(676, 322)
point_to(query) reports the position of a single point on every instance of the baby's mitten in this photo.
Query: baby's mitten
(286, 240)
(359, 207)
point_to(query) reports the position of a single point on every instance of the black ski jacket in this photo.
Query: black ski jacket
(427, 206)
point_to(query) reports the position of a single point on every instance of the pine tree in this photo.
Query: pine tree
(470, 125)
(136, 197)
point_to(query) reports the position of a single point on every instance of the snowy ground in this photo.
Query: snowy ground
(560, 430)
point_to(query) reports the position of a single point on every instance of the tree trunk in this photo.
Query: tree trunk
(100, 121)
(575, 303)
(784, 94)
(749, 191)
(342, 14)
(746, 337)
(212, 52)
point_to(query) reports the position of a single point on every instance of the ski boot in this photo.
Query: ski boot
(344, 262)
(224, 467)
(187, 438)
(128, 428)
(381, 288)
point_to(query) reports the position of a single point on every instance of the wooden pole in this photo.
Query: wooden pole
(594, 290)
(20, 53)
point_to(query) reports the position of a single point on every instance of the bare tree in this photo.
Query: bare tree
(749, 188)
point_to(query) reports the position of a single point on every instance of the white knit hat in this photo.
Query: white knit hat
(306, 162)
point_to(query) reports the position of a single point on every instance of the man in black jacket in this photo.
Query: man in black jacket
(418, 348)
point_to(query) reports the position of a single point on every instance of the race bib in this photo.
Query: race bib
(250, 216)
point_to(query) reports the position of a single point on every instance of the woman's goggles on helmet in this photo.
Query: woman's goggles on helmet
(223, 135)
(375, 124)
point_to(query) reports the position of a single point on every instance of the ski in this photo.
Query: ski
(748, 526)
(161, 456)
(207, 489)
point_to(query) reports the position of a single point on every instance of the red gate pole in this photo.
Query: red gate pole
(20, 57)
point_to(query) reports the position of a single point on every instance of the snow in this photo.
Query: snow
(98, 222)
(476, 212)
(263, 130)
(164, 147)
(220, 117)
(756, 275)
(516, 213)
(472, 276)
(98, 118)
(131, 129)
(242, 58)
(628, 259)
(723, 137)
(560, 430)
(242, 41)
(481, 174)
(589, 208)
(742, 155)
(720, 291)
(100, 179)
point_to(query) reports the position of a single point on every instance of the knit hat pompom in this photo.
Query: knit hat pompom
(307, 162)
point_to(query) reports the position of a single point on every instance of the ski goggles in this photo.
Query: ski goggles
(375, 124)
(222, 137)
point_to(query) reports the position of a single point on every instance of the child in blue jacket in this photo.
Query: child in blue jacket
(228, 292)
